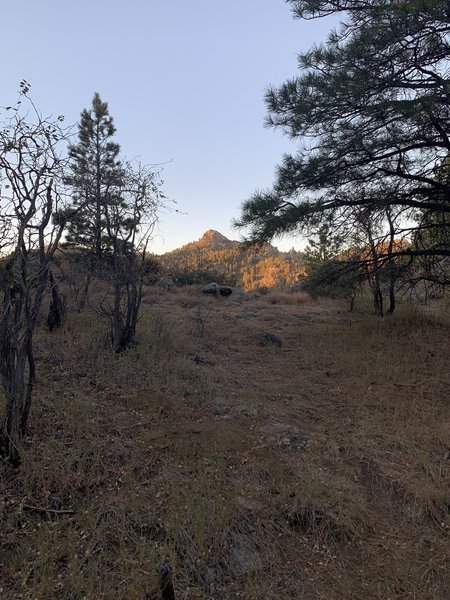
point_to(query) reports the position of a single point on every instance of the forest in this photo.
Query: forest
(288, 439)
(214, 256)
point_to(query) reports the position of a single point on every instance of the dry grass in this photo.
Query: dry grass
(315, 470)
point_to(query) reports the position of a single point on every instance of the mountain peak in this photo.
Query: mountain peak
(213, 237)
(215, 256)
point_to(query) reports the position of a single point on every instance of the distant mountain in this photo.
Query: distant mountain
(214, 256)
(213, 238)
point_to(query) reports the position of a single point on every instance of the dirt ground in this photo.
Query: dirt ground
(317, 469)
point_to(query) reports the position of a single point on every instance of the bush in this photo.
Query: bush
(334, 279)
(183, 277)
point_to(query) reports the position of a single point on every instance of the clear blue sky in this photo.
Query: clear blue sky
(184, 81)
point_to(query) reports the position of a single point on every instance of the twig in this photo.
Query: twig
(403, 385)
(41, 509)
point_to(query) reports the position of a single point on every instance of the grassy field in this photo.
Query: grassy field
(315, 470)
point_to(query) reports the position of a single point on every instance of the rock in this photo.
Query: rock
(247, 409)
(211, 288)
(217, 290)
(239, 294)
(296, 443)
(269, 339)
(210, 576)
(393, 447)
(249, 504)
(166, 283)
(224, 290)
(201, 360)
(243, 558)
(286, 435)
(220, 408)
(345, 321)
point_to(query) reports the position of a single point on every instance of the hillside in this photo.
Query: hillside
(249, 268)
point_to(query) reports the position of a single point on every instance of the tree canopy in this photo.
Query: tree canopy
(370, 113)
(95, 173)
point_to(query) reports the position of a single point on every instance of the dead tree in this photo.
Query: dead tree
(130, 219)
(31, 175)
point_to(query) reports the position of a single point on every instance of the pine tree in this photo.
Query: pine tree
(324, 246)
(95, 174)
(370, 112)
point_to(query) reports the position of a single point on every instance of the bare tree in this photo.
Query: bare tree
(130, 218)
(31, 175)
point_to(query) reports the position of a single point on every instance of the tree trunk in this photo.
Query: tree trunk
(392, 302)
(378, 300)
(374, 277)
(30, 386)
(391, 265)
(11, 429)
(127, 302)
(83, 294)
(351, 303)
(11, 426)
(117, 321)
(57, 310)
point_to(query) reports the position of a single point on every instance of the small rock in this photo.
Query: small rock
(244, 559)
(210, 576)
(345, 321)
(297, 443)
(393, 447)
(268, 339)
(249, 504)
(247, 409)
(286, 435)
(220, 407)
(238, 293)
(165, 283)
(201, 360)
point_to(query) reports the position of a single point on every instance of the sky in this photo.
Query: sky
(184, 81)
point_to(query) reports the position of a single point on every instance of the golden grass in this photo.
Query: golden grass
(315, 470)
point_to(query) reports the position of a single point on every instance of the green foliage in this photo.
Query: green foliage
(152, 269)
(433, 236)
(95, 174)
(215, 258)
(374, 102)
(186, 276)
(336, 279)
(324, 247)
(434, 224)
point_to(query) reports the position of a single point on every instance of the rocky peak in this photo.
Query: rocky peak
(213, 237)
